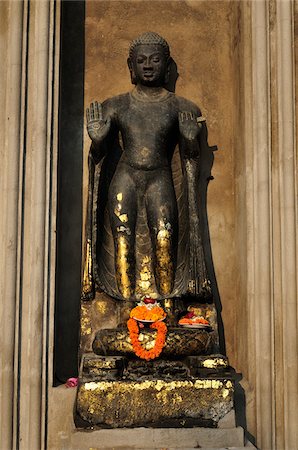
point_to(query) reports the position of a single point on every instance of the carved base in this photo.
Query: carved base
(179, 342)
(116, 393)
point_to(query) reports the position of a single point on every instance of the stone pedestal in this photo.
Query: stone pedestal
(117, 393)
(179, 342)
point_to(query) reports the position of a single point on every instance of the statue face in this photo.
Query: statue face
(149, 65)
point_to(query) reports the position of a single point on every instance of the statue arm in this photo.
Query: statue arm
(192, 128)
(100, 130)
(190, 125)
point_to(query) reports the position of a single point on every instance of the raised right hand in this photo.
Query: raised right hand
(97, 127)
(189, 125)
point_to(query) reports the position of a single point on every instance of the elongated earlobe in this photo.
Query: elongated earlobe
(132, 73)
(167, 74)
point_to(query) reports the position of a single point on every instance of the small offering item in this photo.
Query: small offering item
(147, 311)
(191, 320)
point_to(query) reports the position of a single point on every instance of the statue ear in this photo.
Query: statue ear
(171, 75)
(131, 70)
(168, 70)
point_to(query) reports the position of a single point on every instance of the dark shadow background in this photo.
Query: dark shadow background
(70, 180)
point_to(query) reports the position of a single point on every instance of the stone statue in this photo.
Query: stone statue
(149, 166)
(148, 242)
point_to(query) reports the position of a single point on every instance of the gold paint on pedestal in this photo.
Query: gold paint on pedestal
(100, 363)
(157, 385)
(144, 152)
(101, 307)
(86, 329)
(87, 285)
(122, 251)
(118, 403)
(123, 267)
(123, 218)
(164, 268)
(168, 303)
(145, 282)
(213, 363)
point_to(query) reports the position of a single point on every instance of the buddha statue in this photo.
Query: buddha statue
(148, 242)
(147, 187)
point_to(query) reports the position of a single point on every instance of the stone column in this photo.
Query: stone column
(270, 226)
(27, 180)
(260, 295)
(11, 25)
(284, 227)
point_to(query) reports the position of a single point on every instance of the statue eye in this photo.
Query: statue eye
(140, 60)
(156, 60)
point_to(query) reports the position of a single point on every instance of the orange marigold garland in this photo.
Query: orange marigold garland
(147, 310)
(153, 313)
(160, 340)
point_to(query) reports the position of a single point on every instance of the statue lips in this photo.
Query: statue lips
(148, 74)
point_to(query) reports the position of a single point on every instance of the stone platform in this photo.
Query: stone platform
(166, 439)
(116, 393)
(163, 438)
(179, 341)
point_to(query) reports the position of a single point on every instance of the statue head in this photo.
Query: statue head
(149, 60)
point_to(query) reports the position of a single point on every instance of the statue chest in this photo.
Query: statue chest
(148, 120)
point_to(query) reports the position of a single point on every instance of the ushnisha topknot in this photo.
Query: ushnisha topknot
(149, 38)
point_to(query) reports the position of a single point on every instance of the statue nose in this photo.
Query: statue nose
(147, 65)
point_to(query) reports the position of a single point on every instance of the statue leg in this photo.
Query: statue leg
(123, 212)
(162, 216)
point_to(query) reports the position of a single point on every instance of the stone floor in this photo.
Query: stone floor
(163, 439)
(247, 446)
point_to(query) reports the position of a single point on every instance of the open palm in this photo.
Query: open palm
(189, 125)
(97, 126)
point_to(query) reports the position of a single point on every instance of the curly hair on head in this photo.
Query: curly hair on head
(150, 38)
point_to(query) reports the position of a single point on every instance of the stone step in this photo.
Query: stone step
(176, 448)
(161, 439)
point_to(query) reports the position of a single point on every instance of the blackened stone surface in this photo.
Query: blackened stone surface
(165, 370)
(95, 367)
(179, 342)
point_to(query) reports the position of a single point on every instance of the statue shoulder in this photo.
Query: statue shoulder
(113, 105)
(187, 105)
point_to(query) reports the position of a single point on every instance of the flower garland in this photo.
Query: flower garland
(160, 340)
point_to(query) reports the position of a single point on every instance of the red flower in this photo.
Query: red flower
(189, 315)
(71, 382)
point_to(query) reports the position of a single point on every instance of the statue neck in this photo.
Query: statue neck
(150, 93)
